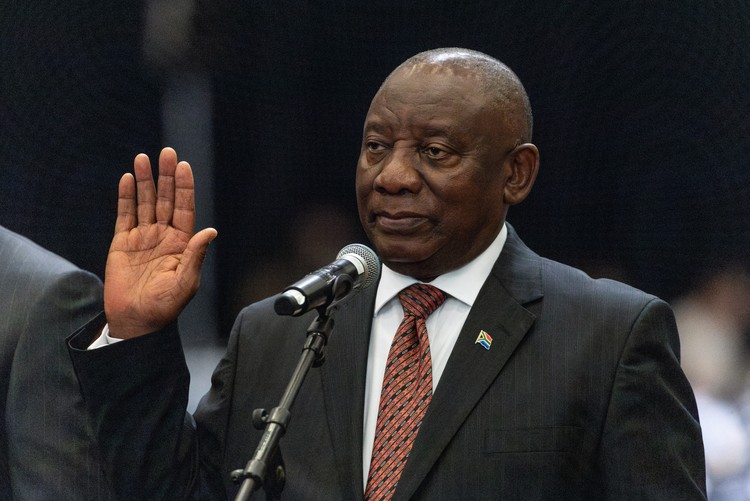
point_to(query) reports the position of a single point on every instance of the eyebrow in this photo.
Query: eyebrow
(437, 131)
(381, 128)
(376, 126)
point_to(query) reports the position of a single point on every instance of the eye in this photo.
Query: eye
(435, 152)
(374, 146)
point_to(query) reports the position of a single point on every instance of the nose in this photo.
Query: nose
(400, 173)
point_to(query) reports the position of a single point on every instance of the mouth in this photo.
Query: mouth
(398, 222)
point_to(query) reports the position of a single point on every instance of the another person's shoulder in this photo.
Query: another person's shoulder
(19, 252)
(32, 271)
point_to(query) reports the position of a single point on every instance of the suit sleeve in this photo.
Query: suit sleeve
(651, 444)
(136, 392)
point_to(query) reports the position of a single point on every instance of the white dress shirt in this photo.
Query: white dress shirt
(443, 326)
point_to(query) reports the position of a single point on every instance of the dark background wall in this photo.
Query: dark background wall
(642, 114)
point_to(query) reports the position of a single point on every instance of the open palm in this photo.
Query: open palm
(154, 262)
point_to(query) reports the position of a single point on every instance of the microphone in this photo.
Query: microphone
(356, 267)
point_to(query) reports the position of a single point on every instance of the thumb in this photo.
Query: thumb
(196, 250)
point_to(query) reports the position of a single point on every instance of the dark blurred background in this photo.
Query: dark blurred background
(642, 118)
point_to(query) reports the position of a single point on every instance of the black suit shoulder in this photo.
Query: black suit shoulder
(559, 278)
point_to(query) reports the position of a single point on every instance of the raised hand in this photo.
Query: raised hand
(154, 262)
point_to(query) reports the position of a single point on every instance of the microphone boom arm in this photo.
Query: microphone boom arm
(256, 474)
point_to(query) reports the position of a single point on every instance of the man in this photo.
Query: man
(47, 450)
(531, 380)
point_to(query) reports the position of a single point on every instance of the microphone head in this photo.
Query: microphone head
(368, 258)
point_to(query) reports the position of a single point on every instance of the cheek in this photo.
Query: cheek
(468, 207)
(365, 172)
(363, 190)
(362, 183)
(461, 192)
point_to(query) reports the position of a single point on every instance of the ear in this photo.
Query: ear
(523, 163)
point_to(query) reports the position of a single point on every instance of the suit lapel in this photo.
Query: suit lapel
(514, 281)
(343, 380)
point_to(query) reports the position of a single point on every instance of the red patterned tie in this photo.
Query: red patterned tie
(407, 390)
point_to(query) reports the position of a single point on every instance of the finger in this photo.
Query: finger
(183, 217)
(146, 193)
(165, 185)
(126, 216)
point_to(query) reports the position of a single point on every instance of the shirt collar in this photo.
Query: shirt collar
(462, 283)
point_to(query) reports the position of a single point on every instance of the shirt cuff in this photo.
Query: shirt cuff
(104, 339)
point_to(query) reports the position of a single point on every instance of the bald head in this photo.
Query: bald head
(501, 85)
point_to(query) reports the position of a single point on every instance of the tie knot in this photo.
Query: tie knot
(420, 300)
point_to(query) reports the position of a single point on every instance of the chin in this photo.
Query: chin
(400, 250)
(407, 258)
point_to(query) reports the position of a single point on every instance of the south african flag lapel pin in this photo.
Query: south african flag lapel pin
(484, 339)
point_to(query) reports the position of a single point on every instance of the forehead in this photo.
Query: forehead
(447, 81)
(431, 92)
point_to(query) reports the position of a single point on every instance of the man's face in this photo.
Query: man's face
(432, 171)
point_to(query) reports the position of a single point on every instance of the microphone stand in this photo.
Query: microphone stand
(275, 423)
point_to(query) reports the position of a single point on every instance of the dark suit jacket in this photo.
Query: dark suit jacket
(579, 397)
(47, 449)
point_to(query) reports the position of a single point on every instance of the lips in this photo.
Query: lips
(399, 222)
